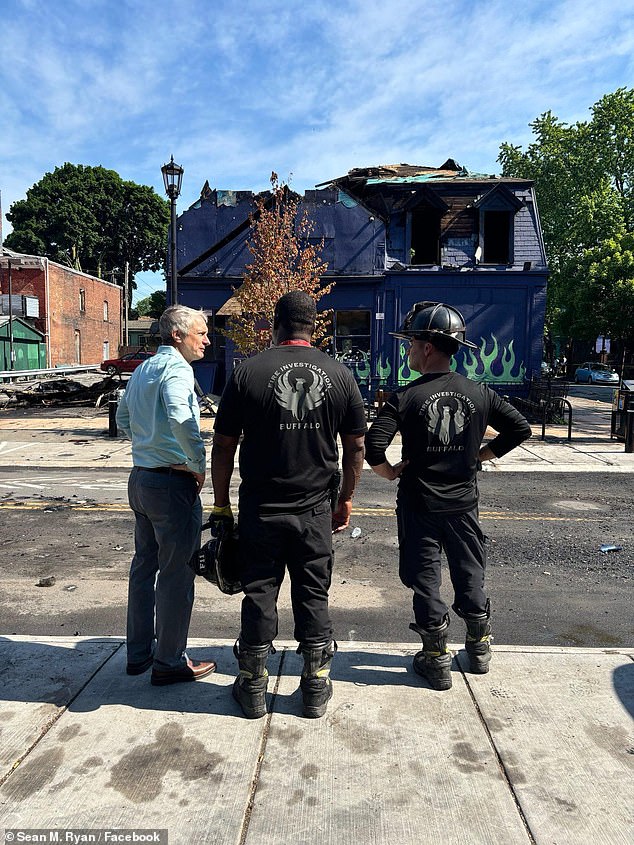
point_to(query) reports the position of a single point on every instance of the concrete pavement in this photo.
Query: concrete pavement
(540, 750)
(67, 438)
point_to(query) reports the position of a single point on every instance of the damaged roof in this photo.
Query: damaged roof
(380, 174)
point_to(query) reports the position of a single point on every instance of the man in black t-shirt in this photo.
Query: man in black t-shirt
(442, 418)
(289, 404)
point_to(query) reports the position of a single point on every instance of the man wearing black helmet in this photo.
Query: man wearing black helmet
(442, 417)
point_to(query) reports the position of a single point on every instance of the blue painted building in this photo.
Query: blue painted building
(393, 235)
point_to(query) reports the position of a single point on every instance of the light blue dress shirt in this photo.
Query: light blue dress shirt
(159, 413)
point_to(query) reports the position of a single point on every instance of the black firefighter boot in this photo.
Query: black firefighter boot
(315, 682)
(434, 661)
(478, 640)
(249, 688)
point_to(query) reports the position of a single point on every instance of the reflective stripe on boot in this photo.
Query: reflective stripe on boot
(249, 688)
(478, 638)
(478, 643)
(434, 662)
(315, 682)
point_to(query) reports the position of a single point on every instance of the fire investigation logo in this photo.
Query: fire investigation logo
(300, 389)
(447, 415)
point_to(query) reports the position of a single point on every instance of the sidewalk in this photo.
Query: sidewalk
(67, 438)
(540, 750)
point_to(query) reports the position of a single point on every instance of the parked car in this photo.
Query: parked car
(126, 364)
(593, 373)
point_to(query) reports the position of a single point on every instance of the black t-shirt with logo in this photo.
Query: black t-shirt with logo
(442, 418)
(289, 403)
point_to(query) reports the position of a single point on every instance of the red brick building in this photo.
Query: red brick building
(79, 315)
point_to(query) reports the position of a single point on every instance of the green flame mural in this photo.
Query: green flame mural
(498, 365)
(491, 363)
(404, 372)
(359, 366)
(383, 368)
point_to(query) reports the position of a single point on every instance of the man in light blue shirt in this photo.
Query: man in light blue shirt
(159, 412)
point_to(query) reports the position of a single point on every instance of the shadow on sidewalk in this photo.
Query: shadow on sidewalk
(623, 680)
(90, 674)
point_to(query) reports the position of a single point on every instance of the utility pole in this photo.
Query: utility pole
(10, 316)
(126, 276)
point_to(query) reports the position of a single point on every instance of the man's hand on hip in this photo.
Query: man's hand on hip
(199, 476)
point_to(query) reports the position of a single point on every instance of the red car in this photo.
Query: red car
(126, 364)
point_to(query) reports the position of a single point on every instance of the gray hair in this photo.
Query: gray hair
(179, 318)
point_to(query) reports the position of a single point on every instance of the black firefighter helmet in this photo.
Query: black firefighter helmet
(435, 321)
(217, 561)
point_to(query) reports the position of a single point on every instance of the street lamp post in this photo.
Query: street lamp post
(172, 178)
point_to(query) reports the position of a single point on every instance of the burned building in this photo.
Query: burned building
(392, 235)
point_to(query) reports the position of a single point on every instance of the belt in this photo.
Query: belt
(166, 470)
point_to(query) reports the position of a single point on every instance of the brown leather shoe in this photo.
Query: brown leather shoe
(191, 672)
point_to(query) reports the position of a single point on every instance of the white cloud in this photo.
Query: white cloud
(312, 89)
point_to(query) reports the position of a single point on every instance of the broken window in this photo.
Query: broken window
(497, 237)
(425, 236)
(352, 336)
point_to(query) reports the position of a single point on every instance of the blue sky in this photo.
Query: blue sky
(310, 90)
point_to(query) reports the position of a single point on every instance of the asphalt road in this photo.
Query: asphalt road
(548, 581)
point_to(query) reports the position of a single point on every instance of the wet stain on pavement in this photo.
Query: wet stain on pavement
(288, 737)
(309, 771)
(87, 765)
(467, 758)
(7, 715)
(296, 798)
(69, 732)
(32, 776)
(139, 774)
(495, 724)
(586, 634)
(567, 805)
(611, 738)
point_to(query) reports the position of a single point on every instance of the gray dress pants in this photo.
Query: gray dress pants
(168, 517)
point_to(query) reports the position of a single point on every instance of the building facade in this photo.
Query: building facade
(79, 315)
(392, 236)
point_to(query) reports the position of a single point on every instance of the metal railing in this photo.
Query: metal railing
(51, 371)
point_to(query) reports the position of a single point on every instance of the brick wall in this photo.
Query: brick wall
(76, 336)
(77, 325)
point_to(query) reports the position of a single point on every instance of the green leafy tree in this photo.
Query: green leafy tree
(153, 305)
(92, 220)
(583, 176)
(284, 259)
(600, 287)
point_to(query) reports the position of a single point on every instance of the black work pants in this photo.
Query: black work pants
(422, 536)
(271, 543)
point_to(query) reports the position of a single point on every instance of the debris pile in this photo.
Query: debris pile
(80, 390)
